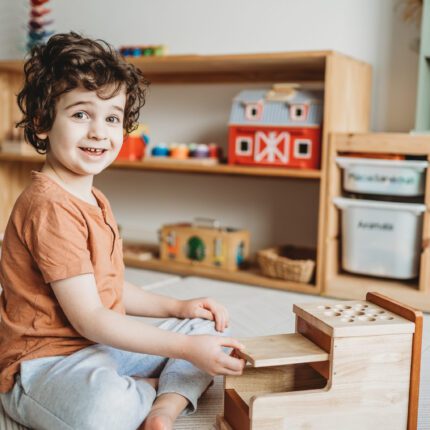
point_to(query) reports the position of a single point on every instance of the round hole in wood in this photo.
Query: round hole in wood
(367, 318)
(332, 314)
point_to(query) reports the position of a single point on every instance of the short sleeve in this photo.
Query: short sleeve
(56, 235)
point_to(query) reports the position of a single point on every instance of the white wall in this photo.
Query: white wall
(366, 29)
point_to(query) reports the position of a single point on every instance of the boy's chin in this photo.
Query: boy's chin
(91, 170)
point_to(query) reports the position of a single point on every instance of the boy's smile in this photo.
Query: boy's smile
(87, 133)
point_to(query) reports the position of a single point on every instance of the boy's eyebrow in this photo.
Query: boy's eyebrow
(118, 108)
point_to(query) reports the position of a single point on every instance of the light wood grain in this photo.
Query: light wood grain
(281, 349)
(347, 103)
(417, 318)
(353, 318)
(369, 385)
(251, 276)
(179, 167)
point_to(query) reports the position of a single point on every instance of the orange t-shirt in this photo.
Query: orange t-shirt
(52, 235)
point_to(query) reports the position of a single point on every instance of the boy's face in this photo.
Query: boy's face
(87, 132)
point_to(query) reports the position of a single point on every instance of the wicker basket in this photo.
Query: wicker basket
(291, 263)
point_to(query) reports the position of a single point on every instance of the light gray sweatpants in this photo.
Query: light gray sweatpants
(94, 388)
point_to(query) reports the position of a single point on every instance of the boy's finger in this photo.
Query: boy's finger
(232, 363)
(230, 372)
(205, 314)
(236, 366)
(231, 343)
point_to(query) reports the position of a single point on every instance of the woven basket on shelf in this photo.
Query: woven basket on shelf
(291, 263)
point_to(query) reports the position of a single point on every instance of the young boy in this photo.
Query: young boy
(70, 358)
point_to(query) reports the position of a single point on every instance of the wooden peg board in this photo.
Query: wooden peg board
(353, 318)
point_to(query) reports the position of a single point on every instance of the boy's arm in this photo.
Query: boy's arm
(79, 299)
(143, 303)
(139, 302)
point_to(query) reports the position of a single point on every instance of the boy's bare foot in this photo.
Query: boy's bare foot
(164, 412)
(157, 420)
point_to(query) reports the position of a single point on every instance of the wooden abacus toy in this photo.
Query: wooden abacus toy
(349, 365)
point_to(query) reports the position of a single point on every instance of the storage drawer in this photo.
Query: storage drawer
(378, 176)
(381, 238)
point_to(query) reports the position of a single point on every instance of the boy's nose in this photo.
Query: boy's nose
(97, 131)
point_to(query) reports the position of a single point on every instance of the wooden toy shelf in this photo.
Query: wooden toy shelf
(220, 169)
(338, 283)
(347, 87)
(251, 276)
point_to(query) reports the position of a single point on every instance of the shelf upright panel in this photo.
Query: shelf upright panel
(422, 116)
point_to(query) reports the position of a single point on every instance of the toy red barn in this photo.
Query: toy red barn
(280, 127)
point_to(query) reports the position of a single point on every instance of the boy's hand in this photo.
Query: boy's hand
(205, 308)
(206, 352)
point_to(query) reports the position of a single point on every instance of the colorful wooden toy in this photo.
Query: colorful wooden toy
(133, 147)
(185, 153)
(350, 365)
(210, 246)
(280, 127)
(38, 31)
(143, 50)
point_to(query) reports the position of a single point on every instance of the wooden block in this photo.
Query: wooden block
(281, 349)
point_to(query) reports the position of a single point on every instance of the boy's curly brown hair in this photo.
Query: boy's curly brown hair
(68, 61)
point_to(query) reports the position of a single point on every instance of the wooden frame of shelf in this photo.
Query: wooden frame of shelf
(347, 87)
(338, 283)
(218, 169)
(251, 276)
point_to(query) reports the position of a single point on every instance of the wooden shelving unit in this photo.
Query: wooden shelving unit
(338, 283)
(347, 87)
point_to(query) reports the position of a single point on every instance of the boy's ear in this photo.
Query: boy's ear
(42, 136)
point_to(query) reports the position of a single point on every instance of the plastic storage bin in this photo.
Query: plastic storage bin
(378, 176)
(381, 238)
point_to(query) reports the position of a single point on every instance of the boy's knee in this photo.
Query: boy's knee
(118, 403)
(202, 326)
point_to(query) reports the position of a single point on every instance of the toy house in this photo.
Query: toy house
(280, 127)
(225, 248)
(351, 365)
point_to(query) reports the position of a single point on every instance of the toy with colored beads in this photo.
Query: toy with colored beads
(38, 31)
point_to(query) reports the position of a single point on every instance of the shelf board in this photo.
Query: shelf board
(355, 287)
(304, 66)
(250, 277)
(220, 169)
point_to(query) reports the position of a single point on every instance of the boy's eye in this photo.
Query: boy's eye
(113, 119)
(80, 115)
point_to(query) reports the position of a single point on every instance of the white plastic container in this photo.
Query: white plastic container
(389, 177)
(381, 238)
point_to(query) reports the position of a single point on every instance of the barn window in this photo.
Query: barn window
(253, 111)
(303, 148)
(298, 112)
(243, 145)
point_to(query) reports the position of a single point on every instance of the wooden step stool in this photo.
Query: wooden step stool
(350, 365)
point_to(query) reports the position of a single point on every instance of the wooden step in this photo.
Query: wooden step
(282, 349)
